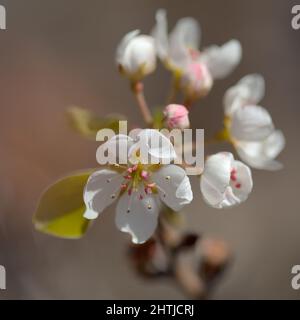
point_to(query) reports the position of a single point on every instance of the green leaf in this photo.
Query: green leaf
(61, 208)
(88, 124)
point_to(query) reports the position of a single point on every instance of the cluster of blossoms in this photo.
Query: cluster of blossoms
(142, 190)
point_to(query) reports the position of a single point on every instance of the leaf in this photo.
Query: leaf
(88, 124)
(61, 208)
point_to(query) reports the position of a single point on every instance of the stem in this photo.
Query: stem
(174, 89)
(138, 90)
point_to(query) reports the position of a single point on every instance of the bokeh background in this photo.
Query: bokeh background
(57, 53)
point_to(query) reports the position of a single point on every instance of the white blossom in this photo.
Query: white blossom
(180, 52)
(139, 189)
(225, 182)
(250, 126)
(136, 55)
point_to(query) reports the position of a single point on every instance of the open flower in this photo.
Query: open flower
(225, 182)
(180, 52)
(139, 189)
(136, 55)
(250, 126)
(177, 116)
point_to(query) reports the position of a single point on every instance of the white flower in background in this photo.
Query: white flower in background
(180, 52)
(250, 90)
(136, 55)
(250, 126)
(225, 182)
(140, 189)
(177, 116)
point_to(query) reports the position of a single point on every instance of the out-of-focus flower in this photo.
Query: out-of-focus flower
(136, 55)
(250, 90)
(196, 81)
(225, 182)
(180, 52)
(250, 126)
(177, 116)
(140, 189)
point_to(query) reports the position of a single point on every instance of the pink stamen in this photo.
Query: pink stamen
(141, 197)
(233, 175)
(238, 185)
(130, 191)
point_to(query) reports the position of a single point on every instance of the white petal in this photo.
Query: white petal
(140, 55)
(185, 36)
(211, 195)
(216, 178)
(101, 190)
(217, 170)
(244, 180)
(186, 31)
(261, 155)
(173, 186)
(123, 44)
(255, 83)
(142, 219)
(249, 90)
(115, 150)
(251, 123)
(160, 34)
(222, 60)
(154, 147)
(217, 187)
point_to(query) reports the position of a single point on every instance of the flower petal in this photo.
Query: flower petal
(222, 60)
(174, 186)
(225, 182)
(245, 183)
(251, 123)
(139, 56)
(160, 34)
(101, 190)
(142, 219)
(186, 31)
(215, 180)
(185, 36)
(249, 90)
(153, 147)
(123, 45)
(116, 149)
(261, 155)
(217, 170)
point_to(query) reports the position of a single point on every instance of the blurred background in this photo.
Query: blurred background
(57, 53)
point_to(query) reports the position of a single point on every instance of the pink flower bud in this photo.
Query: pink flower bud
(196, 81)
(177, 116)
